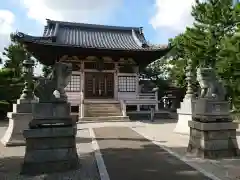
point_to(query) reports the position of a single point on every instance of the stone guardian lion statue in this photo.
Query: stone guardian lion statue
(211, 86)
(52, 88)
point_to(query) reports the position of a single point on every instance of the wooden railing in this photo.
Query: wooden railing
(146, 96)
(144, 99)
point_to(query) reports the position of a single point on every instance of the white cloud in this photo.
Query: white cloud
(173, 15)
(6, 27)
(93, 11)
(88, 11)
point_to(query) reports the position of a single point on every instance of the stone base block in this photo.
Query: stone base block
(213, 140)
(182, 124)
(18, 122)
(51, 114)
(210, 110)
(51, 110)
(184, 115)
(22, 108)
(27, 101)
(50, 150)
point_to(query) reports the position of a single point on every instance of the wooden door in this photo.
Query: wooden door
(99, 85)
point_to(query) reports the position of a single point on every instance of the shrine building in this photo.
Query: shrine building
(106, 64)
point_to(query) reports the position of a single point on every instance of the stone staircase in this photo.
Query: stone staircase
(103, 111)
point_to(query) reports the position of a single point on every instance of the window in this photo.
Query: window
(74, 84)
(126, 83)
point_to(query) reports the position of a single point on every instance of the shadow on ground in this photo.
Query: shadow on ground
(4, 123)
(137, 158)
(147, 162)
(10, 168)
(159, 121)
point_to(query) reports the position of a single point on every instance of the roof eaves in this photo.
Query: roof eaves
(21, 37)
(85, 25)
(51, 40)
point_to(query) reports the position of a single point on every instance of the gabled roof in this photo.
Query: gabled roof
(94, 36)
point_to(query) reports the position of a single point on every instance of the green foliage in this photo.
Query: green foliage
(14, 55)
(4, 108)
(213, 20)
(177, 73)
(229, 66)
(11, 80)
(158, 73)
(46, 70)
(10, 86)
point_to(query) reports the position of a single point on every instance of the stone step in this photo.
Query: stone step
(103, 119)
(100, 101)
(99, 110)
(101, 107)
(147, 116)
(103, 114)
(103, 110)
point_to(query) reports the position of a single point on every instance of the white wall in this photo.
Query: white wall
(74, 97)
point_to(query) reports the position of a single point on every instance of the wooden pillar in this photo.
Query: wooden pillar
(156, 97)
(82, 76)
(116, 81)
(137, 79)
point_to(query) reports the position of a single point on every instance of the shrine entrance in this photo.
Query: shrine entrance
(99, 85)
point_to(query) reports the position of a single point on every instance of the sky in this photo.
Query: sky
(160, 19)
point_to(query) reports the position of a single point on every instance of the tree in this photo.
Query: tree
(10, 89)
(213, 19)
(11, 80)
(14, 55)
(229, 67)
(157, 72)
(46, 70)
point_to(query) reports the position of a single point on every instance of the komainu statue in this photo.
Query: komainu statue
(52, 88)
(211, 86)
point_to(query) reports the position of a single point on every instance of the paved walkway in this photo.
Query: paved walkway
(128, 155)
(159, 133)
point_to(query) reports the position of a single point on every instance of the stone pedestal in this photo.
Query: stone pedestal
(50, 150)
(212, 132)
(50, 140)
(213, 140)
(184, 116)
(18, 121)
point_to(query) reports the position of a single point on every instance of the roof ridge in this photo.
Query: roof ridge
(88, 25)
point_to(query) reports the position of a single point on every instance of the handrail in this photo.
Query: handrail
(146, 96)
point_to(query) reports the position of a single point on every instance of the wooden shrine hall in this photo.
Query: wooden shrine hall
(106, 64)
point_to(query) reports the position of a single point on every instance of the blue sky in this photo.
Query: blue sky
(161, 19)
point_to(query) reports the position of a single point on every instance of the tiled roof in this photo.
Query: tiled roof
(97, 36)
